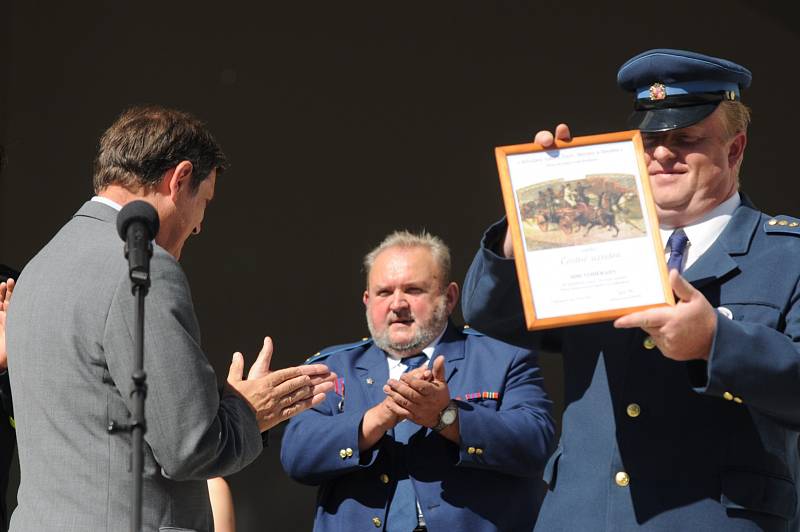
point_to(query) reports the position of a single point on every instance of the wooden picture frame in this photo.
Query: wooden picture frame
(554, 198)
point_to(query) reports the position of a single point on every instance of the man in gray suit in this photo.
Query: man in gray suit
(70, 344)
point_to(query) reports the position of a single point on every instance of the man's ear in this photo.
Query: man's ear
(736, 149)
(451, 292)
(365, 297)
(178, 178)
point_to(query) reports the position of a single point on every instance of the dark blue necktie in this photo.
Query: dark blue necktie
(677, 245)
(402, 515)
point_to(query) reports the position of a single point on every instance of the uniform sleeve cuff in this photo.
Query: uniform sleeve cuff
(494, 237)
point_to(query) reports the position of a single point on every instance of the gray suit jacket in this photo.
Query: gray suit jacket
(70, 340)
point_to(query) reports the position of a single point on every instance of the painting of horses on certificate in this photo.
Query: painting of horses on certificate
(596, 208)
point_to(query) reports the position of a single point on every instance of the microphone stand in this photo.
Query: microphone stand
(137, 426)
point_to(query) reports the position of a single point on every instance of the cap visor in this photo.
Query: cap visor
(654, 120)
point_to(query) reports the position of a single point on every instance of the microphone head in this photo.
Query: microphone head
(137, 211)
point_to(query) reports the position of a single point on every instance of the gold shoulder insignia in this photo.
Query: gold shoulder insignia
(784, 225)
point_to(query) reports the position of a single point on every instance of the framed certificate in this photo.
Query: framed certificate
(584, 228)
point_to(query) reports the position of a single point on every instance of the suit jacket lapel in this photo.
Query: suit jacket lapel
(451, 346)
(735, 240)
(372, 370)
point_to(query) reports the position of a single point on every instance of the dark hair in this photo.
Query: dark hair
(144, 142)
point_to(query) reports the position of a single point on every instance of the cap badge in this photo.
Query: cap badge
(658, 91)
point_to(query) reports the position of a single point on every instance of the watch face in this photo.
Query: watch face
(448, 416)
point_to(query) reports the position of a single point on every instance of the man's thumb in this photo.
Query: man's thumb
(237, 368)
(682, 288)
(438, 369)
(261, 366)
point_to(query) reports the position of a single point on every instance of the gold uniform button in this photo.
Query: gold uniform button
(471, 450)
(364, 339)
(376, 522)
(738, 400)
(649, 343)
(622, 479)
(728, 396)
(773, 222)
(633, 410)
(343, 454)
(478, 451)
(349, 452)
(384, 478)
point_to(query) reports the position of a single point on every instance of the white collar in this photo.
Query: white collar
(705, 231)
(111, 203)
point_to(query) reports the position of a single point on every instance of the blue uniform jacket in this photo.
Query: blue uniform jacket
(489, 482)
(705, 446)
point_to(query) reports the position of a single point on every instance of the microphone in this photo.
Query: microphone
(137, 225)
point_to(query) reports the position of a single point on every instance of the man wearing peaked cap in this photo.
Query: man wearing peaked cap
(457, 444)
(684, 417)
(675, 89)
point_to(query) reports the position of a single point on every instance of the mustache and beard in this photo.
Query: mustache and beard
(426, 332)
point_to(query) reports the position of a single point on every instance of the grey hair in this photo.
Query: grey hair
(407, 239)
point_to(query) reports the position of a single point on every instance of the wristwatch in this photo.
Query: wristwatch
(447, 416)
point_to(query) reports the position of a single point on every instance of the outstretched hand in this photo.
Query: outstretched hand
(278, 395)
(682, 332)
